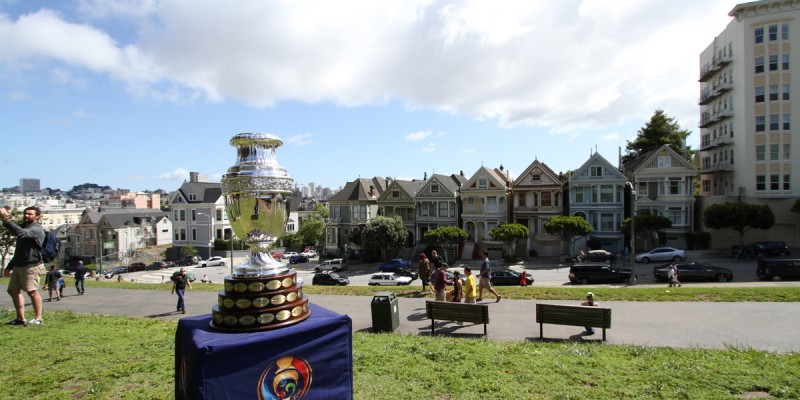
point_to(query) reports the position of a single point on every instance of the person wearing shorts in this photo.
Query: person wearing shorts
(484, 279)
(26, 266)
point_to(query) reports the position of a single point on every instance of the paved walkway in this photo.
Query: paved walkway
(760, 326)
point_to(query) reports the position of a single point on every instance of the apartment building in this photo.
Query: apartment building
(748, 105)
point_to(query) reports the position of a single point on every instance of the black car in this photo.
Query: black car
(694, 271)
(400, 271)
(137, 266)
(297, 259)
(156, 266)
(598, 273)
(188, 260)
(598, 256)
(773, 269)
(329, 279)
(769, 249)
(508, 277)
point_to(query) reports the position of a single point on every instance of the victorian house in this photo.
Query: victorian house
(596, 193)
(398, 200)
(115, 234)
(537, 196)
(349, 210)
(483, 197)
(664, 185)
(199, 217)
(438, 204)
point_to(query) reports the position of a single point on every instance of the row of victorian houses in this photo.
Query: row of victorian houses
(599, 191)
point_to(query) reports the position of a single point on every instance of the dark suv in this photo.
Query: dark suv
(329, 279)
(770, 249)
(188, 260)
(778, 269)
(597, 273)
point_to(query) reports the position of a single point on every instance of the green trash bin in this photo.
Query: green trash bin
(385, 312)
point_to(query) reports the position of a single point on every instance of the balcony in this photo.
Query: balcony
(720, 141)
(715, 92)
(712, 119)
(723, 166)
(708, 70)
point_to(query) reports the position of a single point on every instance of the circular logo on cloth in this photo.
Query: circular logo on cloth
(289, 378)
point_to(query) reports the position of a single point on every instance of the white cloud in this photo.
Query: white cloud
(300, 140)
(180, 174)
(570, 66)
(468, 151)
(417, 136)
(610, 136)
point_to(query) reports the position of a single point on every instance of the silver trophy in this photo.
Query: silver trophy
(262, 293)
(256, 191)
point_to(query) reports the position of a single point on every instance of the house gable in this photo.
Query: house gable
(537, 174)
(597, 168)
(484, 179)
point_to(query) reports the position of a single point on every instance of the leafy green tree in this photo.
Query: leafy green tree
(445, 237)
(568, 228)
(740, 217)
(660, 130)
(312, 230)
(383, 233)
(291, 241)
(188, 250)
(509, 234)
(7, 240)
(645, 226)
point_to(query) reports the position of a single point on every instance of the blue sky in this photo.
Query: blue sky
(135, 94)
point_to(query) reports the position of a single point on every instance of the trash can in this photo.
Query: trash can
(385, 312)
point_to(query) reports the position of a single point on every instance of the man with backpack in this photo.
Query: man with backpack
(27, 264)
(179, 282)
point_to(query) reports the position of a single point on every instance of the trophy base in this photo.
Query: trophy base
(262, 303)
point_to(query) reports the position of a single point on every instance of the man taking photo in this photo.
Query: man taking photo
(27, 264)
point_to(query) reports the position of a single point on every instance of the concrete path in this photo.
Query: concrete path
(761, 326)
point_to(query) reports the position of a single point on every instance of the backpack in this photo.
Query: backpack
(50, 247)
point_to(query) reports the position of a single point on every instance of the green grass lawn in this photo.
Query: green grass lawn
(77, 356)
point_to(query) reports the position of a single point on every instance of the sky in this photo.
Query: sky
(135, 94)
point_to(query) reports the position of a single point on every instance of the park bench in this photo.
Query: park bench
(446, 311)
(596, 317)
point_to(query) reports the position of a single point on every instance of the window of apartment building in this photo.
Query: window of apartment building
(183, 215)
(547, 199)
(774, 182)
(194, 215)
(773, 92)
(194, 234)
(491, 204)
(773, 33)
(192, 197)
(760, 152)
(664, 161)
(675, 214)
(773, 62)
(395, 194)
(706, 186)
(774, 151)
(334, 212)
(483, 183)
(675, 186)
(606, 194)
(218, 215)
(521, 199)
(731, 129)
(759, 35)
(443, 206)
(759, 64)
(785, 62)
(786, 91)
(607, 222)
(786, 184)
(761, 122)
(434, 188)
(785, 32)
(596, 170)
(761, 182)
(787, 119)
(175, 215)
(774, 122)
(787, 151)
(359, 211)
(470, 205)
(536, 178)
(759, 94)
(579, 195)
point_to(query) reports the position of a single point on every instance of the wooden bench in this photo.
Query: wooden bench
(596, 317)
(446, 311)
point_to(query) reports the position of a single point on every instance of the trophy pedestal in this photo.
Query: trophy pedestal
(210, 364)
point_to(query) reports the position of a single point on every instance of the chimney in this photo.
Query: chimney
(371, 191)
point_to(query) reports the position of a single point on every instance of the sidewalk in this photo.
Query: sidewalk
(760, 326)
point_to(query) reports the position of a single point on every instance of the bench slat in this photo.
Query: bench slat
(447, 311)
(596, 317)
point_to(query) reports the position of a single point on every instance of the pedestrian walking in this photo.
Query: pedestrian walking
(424, 270)
(51, 283)
(590, 303)
(80, 276)
(440, 283)
(484, 279)
(457, 291)
(523, 279)
(179, 283)
(27, 265)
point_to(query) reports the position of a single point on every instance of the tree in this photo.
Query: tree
(740, 217)
(291, 241)
(188, 250)
(569, 228)
(312, 230)
(509, 234)
(645, 226)
(445, 237)
(660, 130)
(7, 240)
(382, 233)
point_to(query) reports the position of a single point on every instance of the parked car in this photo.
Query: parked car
(65, 272)
(770, 249)
(323, 278)
(115, 271)
(399, 262)
(388, 279)
(277, 256)
(309, 253)
(598, 273)
(154, 266)
(661, 254)
(450, 277)
(189, 260)
(336, 264)
(778, 269)
(137, 266)
(214, 261)
(598, 256)
(694, 271)
(298, 259)
(400, 270)
(289, 254)
(509, 277)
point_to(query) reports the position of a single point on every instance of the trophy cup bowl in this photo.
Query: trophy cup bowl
(262, 293)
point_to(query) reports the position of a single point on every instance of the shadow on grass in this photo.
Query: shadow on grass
(166, 314)
(580, 337)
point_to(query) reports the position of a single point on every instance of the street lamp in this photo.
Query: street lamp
(633, 221)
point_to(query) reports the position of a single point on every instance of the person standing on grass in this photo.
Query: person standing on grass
(590, 303)
(485, 276)
(80, 276)
(179, 283)
(27, 264)
(424, 270)
(470, 291)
